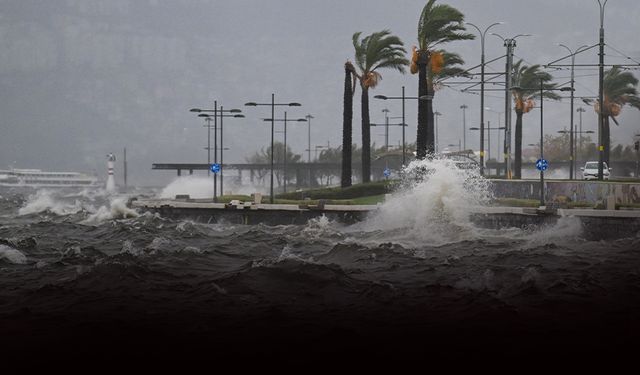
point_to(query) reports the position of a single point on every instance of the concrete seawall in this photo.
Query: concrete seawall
(597, 224)
(577, 191)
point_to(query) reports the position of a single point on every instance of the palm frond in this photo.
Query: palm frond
(376, 51)
(440, 24)
(526, 81)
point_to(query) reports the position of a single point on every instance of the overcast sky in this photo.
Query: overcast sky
(81, 78)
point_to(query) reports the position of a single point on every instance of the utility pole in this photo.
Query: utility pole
(386, 129)
(125, 168)
(580, 110)
(601, 94)
(510, 44)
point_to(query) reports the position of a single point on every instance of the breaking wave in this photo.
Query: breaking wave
(11, 255)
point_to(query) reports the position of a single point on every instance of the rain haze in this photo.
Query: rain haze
(82, 78)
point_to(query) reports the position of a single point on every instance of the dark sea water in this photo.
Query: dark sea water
(83, 278)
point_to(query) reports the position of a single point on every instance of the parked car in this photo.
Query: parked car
(590, 171)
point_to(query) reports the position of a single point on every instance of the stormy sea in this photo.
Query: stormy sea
(84, 278)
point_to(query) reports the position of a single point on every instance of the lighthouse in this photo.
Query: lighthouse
(111, 183)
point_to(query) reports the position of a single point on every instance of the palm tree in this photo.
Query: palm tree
(376, 51)
(347, 117)
(438, 24)
(526, 87)
(619, 89)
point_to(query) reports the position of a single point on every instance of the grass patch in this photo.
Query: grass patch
(374, 199)
(229, 198)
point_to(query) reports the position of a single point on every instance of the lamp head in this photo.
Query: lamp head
(295, 104)
(383, 97)
(251, 104)
(195, 110)
(235, 110)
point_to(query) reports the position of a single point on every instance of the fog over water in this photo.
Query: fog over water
(80, 79)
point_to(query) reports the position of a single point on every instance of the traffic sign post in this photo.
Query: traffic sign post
(215, 168)
(542, 165)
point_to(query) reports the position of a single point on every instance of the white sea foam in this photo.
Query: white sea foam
(44, 200)
(12, 255)
(434, 205)
(117, 210)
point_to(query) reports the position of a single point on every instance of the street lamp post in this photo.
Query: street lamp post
(437, 114)
(482, 65)
(503, 128)
(215, 111)
(542, 89)
(403, 98)
(541, 140)
(233, 113)
(601, 92)
(284, 161)
(464, 125)
(571, 144)
(309, 117)
(272, 104)
(386, 129)
(488, 128)
(575, 134)
(580, 110)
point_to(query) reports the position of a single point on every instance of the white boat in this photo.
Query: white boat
(37, 178)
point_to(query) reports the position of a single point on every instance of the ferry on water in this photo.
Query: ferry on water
(37, 178)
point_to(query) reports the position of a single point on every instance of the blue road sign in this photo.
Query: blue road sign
(542, 164)
(386, 172)
(215, 168)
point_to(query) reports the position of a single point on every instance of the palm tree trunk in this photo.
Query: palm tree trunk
(347, 117)
(423, 108)
(606, 140)
(366, 136)
(517, 163)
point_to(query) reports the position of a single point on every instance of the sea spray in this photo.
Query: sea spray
(433, 203)
(11, 255)
(117, 209)
(194, 186)
(44, 200)
(200, 187)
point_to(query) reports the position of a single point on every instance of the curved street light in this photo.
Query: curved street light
(482, 66)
